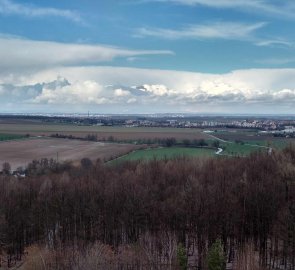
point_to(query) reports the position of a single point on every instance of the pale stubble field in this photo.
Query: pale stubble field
(21, 152)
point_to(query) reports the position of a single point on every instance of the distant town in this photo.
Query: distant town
(277, 125)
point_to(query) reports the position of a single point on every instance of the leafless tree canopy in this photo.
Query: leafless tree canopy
(135, 215)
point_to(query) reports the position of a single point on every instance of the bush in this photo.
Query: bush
(181, 257)
(215, 257)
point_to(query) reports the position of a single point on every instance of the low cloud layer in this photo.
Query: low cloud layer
(168, 91)
(51, 76)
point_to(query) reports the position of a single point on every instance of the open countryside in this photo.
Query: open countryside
(147, 135)
(102, 132)
(167, 153)
(21, 153)
(74, 142)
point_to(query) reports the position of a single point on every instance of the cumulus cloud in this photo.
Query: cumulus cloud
(121, 93)
(9, 7)
(85, 92)
(156, 90)
(169, 91)
(17, 54)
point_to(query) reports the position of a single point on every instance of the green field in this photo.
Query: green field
(276, 143)
(9, 137)
(243, 143)
(172, 152)
(236, 149)
(248, 147)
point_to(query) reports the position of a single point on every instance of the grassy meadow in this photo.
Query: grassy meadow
(167, 153)
(10, 137)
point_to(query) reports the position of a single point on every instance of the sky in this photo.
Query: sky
(147, 56)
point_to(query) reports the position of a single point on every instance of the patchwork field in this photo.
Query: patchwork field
(20, 153)
(162, 153)
(119, 133)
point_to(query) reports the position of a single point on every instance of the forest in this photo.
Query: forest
(184, 213)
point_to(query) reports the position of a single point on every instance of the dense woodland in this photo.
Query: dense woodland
(168, 214)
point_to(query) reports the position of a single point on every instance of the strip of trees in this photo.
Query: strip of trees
(163, 214)
(166, 142)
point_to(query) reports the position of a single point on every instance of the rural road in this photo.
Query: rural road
(221, 140)
(219, 151)
(248, 144)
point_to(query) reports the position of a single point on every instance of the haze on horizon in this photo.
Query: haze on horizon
(147, 56)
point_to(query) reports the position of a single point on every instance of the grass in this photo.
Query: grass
(247, 146)
(9, 137)
(236, 149)
(162, 153)
(231, 148)
(278, 143)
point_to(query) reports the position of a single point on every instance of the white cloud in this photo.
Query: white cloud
(121, 93)
(217, 30)
(9, 7)
(86, 92)
(274, 42)
(156, 90)
(18, 54)
(131, 100)
(282, 9)
(142, 90)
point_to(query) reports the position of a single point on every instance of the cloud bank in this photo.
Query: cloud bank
(145, 91)
(50, 76)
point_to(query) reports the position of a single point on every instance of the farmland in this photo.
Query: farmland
(162, 153)
(9, 137)
(239, 149)
(234, 142)
(252, 137)
(20, 153)
(102, 132)
(243, 142)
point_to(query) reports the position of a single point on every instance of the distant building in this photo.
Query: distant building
(289, 129)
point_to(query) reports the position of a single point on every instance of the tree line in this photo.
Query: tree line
(162, 214)
(166, 142)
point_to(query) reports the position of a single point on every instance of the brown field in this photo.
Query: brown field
(20, 153)
(120, 133)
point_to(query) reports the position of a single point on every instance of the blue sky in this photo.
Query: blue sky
(222, 56)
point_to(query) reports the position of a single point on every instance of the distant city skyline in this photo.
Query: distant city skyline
(147, 56)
